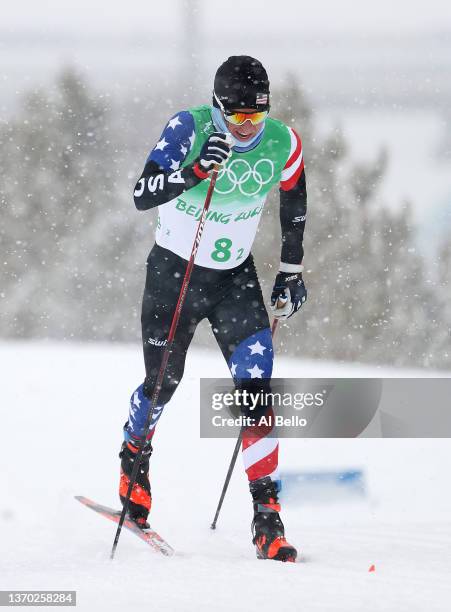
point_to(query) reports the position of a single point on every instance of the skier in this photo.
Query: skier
(253, 153)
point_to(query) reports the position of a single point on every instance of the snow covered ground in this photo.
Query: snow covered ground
(62, 408)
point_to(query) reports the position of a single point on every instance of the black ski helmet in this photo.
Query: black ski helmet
(241, 81)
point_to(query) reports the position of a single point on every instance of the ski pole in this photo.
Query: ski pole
(165, 357)
(227, 479)
(235, 454)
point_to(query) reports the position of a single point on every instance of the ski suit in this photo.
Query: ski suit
(224, 286)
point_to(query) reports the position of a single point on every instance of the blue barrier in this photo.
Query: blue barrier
(322, 486)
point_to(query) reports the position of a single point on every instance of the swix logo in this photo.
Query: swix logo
(156, 342)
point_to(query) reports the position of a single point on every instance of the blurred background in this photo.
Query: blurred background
(87, 87)
(85, 90)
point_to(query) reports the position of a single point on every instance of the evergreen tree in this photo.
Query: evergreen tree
(64, 226)
(369, 297)
(441, 344)
(74, 248)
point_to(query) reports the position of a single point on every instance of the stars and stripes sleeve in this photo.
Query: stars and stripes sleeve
(163, 179)
(293, 206)
(175, 142)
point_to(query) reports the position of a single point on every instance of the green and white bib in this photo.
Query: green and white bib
(238, 198)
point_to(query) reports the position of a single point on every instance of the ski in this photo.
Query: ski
(149, 536)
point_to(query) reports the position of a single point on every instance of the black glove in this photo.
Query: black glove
(216, 150)
(288, 294)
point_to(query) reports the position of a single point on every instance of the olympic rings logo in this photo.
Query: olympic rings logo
(249, 180)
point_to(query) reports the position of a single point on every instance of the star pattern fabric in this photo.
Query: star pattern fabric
(139, 408)
(253, 357)
(255, 371)
(175, 142)
(136, 400)
(257, 348)
(174, 122)
(161, 144)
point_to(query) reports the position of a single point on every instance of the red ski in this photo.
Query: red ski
(148, 535)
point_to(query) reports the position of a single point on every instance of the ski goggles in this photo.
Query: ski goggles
(239, 117)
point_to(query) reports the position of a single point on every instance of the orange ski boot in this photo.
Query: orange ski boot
(141, 498)
(267, 527)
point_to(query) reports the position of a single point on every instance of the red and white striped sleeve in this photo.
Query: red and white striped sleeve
(295, 164)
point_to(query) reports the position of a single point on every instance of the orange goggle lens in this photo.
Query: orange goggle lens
(240, 118)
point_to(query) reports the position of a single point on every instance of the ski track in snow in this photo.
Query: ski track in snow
(65, 404)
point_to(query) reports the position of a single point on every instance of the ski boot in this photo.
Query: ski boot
(267, 528)
(140, 499)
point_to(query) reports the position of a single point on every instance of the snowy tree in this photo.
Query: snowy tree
(441, 345)
(65, 231)
(74, 248)
(369, 296)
